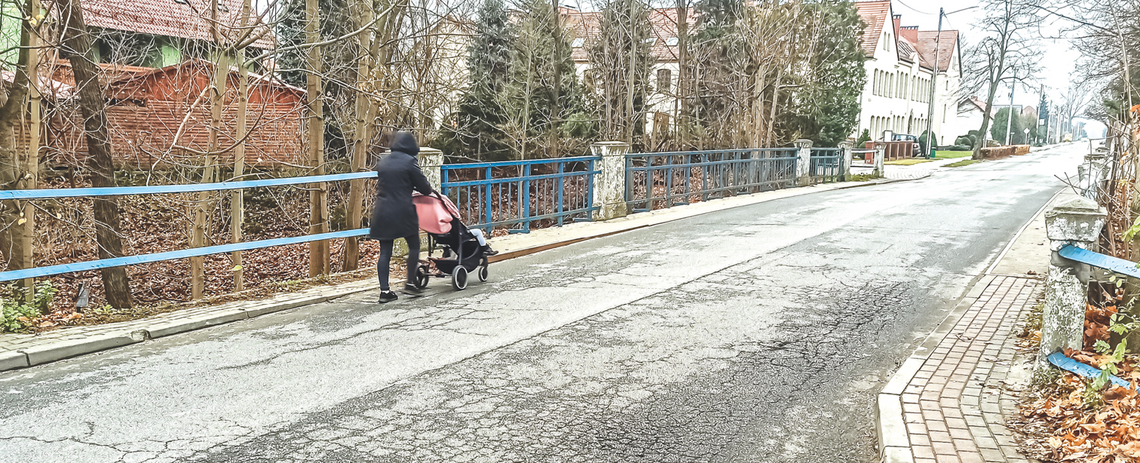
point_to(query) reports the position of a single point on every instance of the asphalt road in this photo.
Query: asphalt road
(759, 333)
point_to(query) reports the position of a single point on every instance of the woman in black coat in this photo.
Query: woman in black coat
(393, 214)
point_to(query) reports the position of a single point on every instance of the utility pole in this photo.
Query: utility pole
(933, 87)
(1009, 118)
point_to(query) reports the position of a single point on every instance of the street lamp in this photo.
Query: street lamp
(934, 80)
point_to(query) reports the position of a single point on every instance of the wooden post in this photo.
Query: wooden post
(318, 195)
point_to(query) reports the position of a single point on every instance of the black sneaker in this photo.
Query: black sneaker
(412, 289)
(488, 251)
(387, 296)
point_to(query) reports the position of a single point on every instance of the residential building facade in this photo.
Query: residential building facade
(900, 68)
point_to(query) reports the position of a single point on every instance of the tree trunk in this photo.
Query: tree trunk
(318, 196)
(116, 284)
(361, 136)
(237, 205)
(985, 122)
(682, 119)
(31, 161)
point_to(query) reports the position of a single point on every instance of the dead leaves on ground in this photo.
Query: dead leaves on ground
(1068, 431)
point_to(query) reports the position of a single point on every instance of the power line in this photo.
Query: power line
(916, 10)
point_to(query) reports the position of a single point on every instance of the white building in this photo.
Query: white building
(900, 65)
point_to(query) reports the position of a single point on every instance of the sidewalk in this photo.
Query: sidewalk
(24, 350)
(950, 400)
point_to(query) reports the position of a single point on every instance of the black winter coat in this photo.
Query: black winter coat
(393, 214)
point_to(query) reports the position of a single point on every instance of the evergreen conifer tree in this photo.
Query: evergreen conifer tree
(475, 132)
(533, 120)
(826, 104)
(619, 33)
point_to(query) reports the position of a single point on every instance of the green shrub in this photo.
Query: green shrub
(16, 314)
(863, 139)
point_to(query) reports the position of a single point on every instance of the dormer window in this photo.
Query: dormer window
(671, 41)
(650, 41)
(184, 2)
(577, 43)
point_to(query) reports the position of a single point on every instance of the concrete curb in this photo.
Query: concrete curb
(39, 355)
(67, 348)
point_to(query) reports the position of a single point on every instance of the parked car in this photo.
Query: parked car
(916, 148)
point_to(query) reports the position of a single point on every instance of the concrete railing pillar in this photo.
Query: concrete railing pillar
(1078, 222)
(803, 164)
(880, 159)
(845, 148)
(1092, 174)
(431, 163)
(609, 183)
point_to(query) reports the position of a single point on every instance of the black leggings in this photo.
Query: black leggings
(386, 259)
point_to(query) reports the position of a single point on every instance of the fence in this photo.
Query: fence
(826, 165)
(521, 193)
(40, 194)
(517, 194)
(655, 180)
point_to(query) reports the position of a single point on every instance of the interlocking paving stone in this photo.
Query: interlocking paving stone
(955, 404)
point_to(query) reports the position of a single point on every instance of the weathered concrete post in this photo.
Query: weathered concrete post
(609, 183)
(1078, 222)
(803, 164)
(1092, 173)
(431, 163)
(845, 159)
(880, 159)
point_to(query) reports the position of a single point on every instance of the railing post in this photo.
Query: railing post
(845, 148)
(1078, 222)
(431, 163)
(1092, 173)
(609, 184)
(803, 164)
(880, 159)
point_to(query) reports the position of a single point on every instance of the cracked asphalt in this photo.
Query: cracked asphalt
(759, 333)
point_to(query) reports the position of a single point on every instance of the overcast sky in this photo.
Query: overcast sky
(1057, 61)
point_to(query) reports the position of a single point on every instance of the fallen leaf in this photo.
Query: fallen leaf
(1131, 449)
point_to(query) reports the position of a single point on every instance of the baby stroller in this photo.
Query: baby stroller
(462, 252)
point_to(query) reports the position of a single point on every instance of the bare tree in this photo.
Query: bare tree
(77, 48)
(1005, 53)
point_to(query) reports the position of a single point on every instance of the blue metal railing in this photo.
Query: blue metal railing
(37, 272)
(1101, 261)
(656, 180)
(517, 194)
(826, 165)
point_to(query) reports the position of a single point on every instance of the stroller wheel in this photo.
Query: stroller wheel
(483, 273)
(421, 277)
(459, 278)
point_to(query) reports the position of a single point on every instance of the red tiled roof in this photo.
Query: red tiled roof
(946, 46)
(189, 19)
(875, 14)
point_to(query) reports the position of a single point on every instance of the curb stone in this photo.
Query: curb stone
(162, 327)
(196, 322)
(38, 355)
(13, 359)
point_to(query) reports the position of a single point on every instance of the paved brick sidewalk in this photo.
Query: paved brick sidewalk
(948, 401)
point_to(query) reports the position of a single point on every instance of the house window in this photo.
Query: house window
(651, 41)
(671, 41)
(577, 43)
(664, 80)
